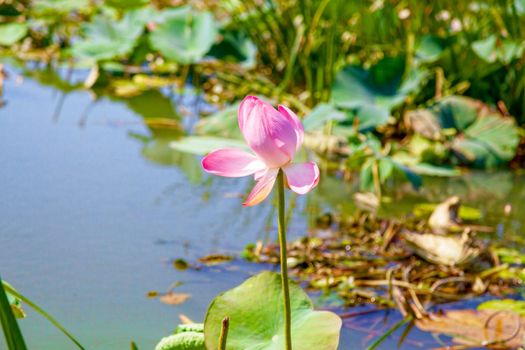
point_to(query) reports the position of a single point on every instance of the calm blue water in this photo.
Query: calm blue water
(89, 225)
(95, 206)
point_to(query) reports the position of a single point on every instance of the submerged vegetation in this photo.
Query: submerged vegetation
(387, 91)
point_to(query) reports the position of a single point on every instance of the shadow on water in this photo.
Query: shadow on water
(97, 204)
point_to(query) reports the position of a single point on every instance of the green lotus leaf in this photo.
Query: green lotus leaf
(235, 47)
(370, 116)
(486, 49)
(482, 137)
(489, 142)
(372, 94)
(106, 39)
(320, 115)
(10, 33)
(493, 49)
(457, 112)
(430, 49)
(185, 36)
(255, 309)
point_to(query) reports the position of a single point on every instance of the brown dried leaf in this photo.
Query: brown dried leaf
(498, 330)
(367, 201)
(215, 259)
(424, 122)
(445, 215)
(444, 250)
(172, 298)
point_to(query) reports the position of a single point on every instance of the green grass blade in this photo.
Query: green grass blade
(44, 314)
(13, 335)
(389, 333)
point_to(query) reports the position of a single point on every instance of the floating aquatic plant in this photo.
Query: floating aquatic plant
(256, 318)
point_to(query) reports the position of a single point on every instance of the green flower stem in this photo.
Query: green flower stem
(284, 266)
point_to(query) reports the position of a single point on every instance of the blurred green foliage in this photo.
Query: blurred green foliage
(410, 87)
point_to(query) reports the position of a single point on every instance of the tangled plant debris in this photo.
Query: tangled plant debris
(411, 265)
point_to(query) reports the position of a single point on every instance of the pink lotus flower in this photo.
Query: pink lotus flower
(274, 136)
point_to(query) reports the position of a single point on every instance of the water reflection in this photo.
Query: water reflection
(84, 209)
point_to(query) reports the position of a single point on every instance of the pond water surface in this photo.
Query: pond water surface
(95, 206)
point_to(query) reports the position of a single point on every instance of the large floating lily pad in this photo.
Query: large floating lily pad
(186, 36)
(458, 112)
(372, 94)
(482, 137)
(485, 138)
(489, 142)
(107, 39)
(255, 309)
